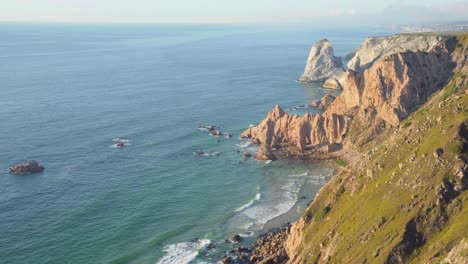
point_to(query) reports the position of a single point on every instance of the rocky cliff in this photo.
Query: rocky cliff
(403, 197)
(374, 48)
(379, 97)
(321, 63)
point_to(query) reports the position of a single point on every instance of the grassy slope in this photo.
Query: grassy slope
(362, 214)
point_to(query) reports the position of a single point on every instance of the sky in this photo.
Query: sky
(332, 12)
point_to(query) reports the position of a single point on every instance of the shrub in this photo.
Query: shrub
(455, 147)
(339, 192)
(321, 212)
(406, 124)
(449, 90)
(341, 162)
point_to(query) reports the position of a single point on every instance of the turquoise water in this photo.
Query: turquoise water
(68, 92)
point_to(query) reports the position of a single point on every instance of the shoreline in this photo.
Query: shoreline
(276, 229)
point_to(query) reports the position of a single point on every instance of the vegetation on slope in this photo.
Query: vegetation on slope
(405, 200)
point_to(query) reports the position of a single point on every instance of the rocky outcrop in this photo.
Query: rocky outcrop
(374, 48)
(395, 203)
(265, 153)
(29, 167)
(395, 85)
(321, 63)
(324, 102)
(280, 129)
(382, 95)
(332, 83)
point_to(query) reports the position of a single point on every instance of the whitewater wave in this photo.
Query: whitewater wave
(183, 253)
(121, 140)
(280, 204)
(244, 144)
(206, 154)
(250, 203)
(299, 175)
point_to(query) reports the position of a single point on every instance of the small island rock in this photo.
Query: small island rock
(29, 167)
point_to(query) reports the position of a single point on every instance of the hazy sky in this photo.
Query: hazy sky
(236, 11)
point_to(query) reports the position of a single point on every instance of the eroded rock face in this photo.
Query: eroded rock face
(374, 48)
(29, 167)
(332, 83)
(395, 85)
(321, 63)
(324, 102)
(265, 153)
(381, 96)
(280, 129)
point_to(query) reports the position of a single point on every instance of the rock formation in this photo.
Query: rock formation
(332, 83)
(393, 203)
(324, 102)
(374, 48)
(265, 153)
(380, 96)
(321, 63)
(280, 129)
(29, 167)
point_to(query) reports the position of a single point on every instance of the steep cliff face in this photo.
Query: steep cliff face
(374, 48)
(404, 199)
(395, 85)
(382, 95)
(321, 63)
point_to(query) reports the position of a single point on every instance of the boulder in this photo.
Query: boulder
(236, 239)
(29, 167)
(226, 259)
(210, 246)
(247, 155)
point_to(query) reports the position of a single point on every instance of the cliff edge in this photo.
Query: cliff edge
(377, 98)
(404, 198)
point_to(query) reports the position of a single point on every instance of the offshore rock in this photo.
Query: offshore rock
(29, 167)
(321, 63)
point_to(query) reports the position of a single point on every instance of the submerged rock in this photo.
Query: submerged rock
(236, 239)
(29, 167)
(208, 127)
(247, 155)
(216, 133)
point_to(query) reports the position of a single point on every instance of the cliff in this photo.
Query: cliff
(377, 98)
(321, 63)
(374, 48)
(403, 198)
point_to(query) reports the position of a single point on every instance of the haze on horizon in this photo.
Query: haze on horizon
(330, 12)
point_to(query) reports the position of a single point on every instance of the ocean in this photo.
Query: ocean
(71, 92)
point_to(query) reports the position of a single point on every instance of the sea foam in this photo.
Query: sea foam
(183, 253)
(250, 203)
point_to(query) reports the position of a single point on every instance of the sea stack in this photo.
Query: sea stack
(322, 63)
